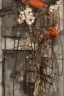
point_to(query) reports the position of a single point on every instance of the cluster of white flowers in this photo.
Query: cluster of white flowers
(26, 15)
(21, 17)
(54, 7)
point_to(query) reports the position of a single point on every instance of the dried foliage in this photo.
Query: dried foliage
(43, 31)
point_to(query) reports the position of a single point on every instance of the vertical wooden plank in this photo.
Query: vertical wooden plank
(18, 85)
(8, 81)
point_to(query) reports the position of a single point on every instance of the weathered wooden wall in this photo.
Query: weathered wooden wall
(10, 43)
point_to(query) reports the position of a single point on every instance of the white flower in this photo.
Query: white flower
(30, 23)
(20, 21)
(23, 17)
(53, 7)
(22, 12)
(31, 14)
(28, 10)
(26, 15)
(58, 2)
(27, 20)
(30, 17)
(20, 16)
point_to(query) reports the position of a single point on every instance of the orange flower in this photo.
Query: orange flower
(37, 3)
(53, 32)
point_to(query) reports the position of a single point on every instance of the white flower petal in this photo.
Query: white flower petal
(21, 12)
(23, 18)
(20, 20)
(30, 23)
